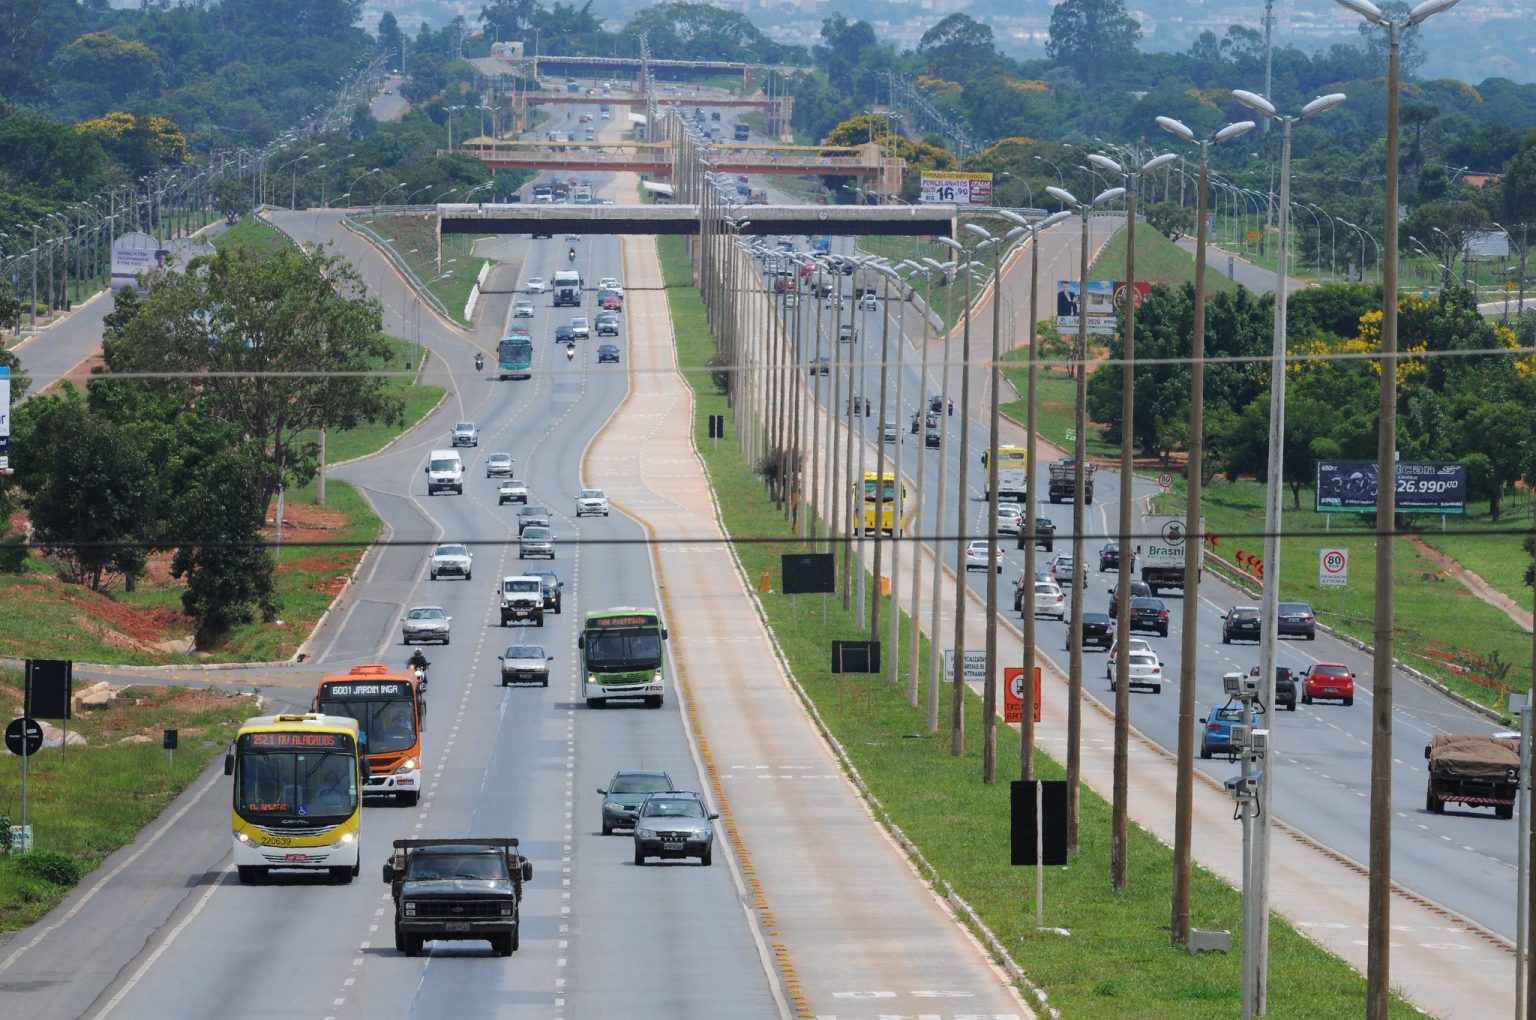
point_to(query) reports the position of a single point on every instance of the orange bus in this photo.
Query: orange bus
(391, 715)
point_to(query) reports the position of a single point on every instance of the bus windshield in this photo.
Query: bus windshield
(621, 650)
(384, 726)
(318, 787)
(887, 491)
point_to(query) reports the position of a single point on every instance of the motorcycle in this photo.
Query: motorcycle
(570, 352)
(479, 362)
(571, 255)
(420, 674)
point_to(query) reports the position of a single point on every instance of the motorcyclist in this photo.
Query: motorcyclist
(479, 362)
(571, 255)
(418, 661)
(570, 352)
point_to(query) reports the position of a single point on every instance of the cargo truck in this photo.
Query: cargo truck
(1161, 555)
(1063, 487)
(1465, 768)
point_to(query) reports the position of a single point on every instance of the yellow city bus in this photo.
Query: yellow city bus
(297, 795)
(880, 499)
(1010, 477)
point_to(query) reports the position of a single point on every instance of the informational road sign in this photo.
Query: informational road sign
(1333, 568)
(23, 736)
(944, 187)
(975, 666)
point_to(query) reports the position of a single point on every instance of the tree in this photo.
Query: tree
(681, 30)
(391, 41)
(845, 45)
(508, 19)
(112, 67)
(89, 488)
(1089, 35)
(218, 517)
(281, 343)
(959, 48)
(1501, 433)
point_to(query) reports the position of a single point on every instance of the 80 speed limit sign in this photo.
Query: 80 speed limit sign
(1333, 568)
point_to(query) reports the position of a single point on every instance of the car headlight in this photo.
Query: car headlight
(410, 908)
(612, 805)
(591, 679)
(409, 765)
(645, 833)
(506, 908)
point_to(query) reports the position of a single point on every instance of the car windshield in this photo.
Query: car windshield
(452, 550)
(591, 493)
(501, 458)
(314, 786)
(444, 867)
(444, 464)
(427, 614)
(548, 580)
(523, 586)
(524, 652)
(464, 426)
(640, 784)
(668, 807)
(536, 534)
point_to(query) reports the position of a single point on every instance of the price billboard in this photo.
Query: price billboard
(1350, 486)
(944, 187)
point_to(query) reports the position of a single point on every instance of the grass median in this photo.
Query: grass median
(1118, 962)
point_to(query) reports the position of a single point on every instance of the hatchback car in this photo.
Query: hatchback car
(537, 285)
(1146, 671)
(610, 302)
(1010, 518)
(1045, 534)
(1109, 557)
(1098, 631)
(611, 283)
(1241, 623)
(1148, 613)
(821, 366)
(976, 557)
(1050, 600)
(1328, 681)
(1061, 570)
(1297, 618)
(498, 465)
(673, 824)
(522, 308)
(525, 664)
(845, 333)
(564, 334)
(607, 353)
(591, 501)
(581, 327)
(606, 324)
(451, 559)
(624, 794)
(425, 623)
(536, 541)
(1216, 729)
(1285, 687)
(890, 433)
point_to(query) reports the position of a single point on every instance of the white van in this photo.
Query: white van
(445, 470)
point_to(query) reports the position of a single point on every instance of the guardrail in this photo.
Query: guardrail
(399, 264)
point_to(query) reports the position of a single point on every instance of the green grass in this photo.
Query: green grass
(1118, 962)
(414, 238)
(251, 231)
(90, 799)
(365, 439)
(1158, 260)
(1441, 628)
(1056, 403)
(1496, 558)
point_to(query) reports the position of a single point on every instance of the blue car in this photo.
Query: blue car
(1216, 730)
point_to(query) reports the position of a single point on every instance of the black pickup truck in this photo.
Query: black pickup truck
(1045, 534)
(457, 889)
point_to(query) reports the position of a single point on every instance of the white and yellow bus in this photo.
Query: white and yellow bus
(880, 505)
(1009, 480)
(297, 795)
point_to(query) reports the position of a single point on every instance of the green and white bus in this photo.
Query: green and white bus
(621, 656)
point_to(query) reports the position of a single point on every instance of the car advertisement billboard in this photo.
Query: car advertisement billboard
(1350, 486)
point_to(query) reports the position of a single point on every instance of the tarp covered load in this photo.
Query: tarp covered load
(1464, 754)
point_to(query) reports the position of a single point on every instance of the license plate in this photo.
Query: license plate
(295, 857)
(671, 846)
(457, 926)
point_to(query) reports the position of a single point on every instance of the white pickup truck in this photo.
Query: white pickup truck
(591, 501)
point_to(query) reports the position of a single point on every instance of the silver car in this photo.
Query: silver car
(624, 794)
(536, 541)
(498, 465)
(525, 664)
(674, 825)
(536, 285)
(425, 623)
(465, 433)
(522, 308)
(451, 558)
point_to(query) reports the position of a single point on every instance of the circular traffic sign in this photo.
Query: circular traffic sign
(1164, 480)
(1335, 560)
(23, 736)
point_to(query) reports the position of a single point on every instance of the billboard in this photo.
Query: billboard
(1105, 299)
(944, 186)
(133, 254)
(181, 250)
(1350, 486)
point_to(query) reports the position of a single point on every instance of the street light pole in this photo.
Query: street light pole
(962, 497)
(1194, 535)
(1080, 457)
(1256, 908)
(1378, 951)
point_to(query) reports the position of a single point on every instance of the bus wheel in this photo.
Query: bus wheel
(251, 874)
(653, 701)
(341, 876)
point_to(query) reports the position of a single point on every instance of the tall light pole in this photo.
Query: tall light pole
(1080, 458)
(1379, 927)
(989, 687)
(1132, 174)
(935, 675)
(922, 491)
(1027, 536)
(1195, 534)
(1256, 919)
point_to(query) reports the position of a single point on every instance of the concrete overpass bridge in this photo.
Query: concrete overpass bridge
(658, 158)
(757, 220)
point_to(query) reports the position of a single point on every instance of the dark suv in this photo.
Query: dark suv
(550, 584)
(1045, 534)
(1285, 687)
(1138, 590)
(1240, 624)
(1148, 613)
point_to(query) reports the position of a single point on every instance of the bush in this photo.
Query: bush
(50, 867)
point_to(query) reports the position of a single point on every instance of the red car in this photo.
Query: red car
(612, 303)
(1328, 681)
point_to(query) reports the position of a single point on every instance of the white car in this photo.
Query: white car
(976, 557)
(512, 490)
(609, 283)
(591, 501)
(1135, 644)
(1061, 570)
(869, 303)
(1146, 670)
(425, 623)
(581, 328)
(498, 465)
(537, 285)
(451, 558)
(1050, 600)
(1010, 519)
(522, 308)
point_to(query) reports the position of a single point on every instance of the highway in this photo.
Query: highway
(1323, 774)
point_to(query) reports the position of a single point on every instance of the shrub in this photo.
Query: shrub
(50, 867)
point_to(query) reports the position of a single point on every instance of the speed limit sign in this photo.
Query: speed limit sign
(1333, 568)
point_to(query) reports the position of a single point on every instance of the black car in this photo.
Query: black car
(564, 334)
(1139, 589)
(1285, 688)
(1109, 556)
(933, 439)
(607, 352)
(1297, 618)
(1240, 624)
(536, 236)
(821, 366)
(551, 585)
(1098, 630)
(1148, 613)
(1045, 534)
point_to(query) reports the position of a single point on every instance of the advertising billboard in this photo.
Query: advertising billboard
(944, 186)
(134, 254)
(1350, 486)
(1100, 306)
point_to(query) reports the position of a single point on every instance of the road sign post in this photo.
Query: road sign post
(24, 736)
(1333, 572)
